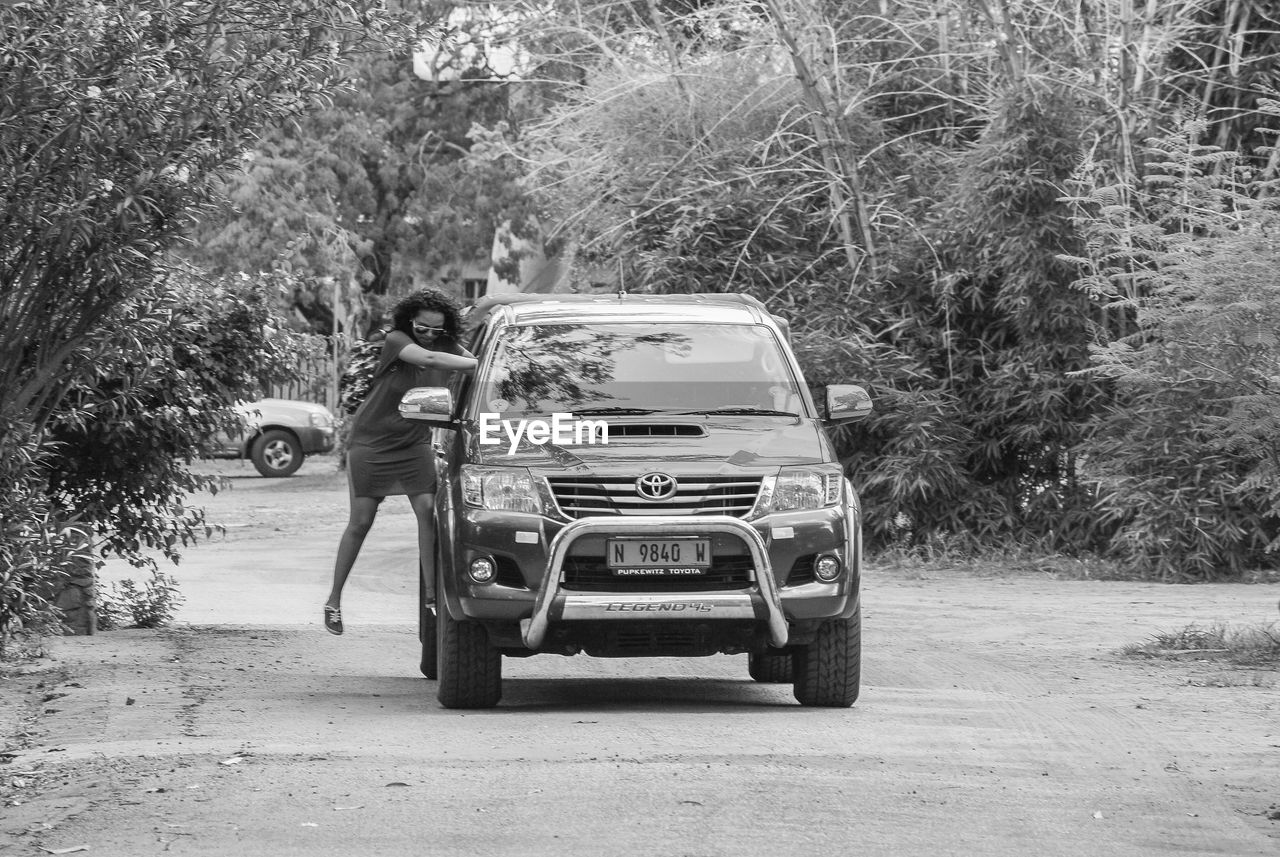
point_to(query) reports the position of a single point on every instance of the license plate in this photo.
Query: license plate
(658, 556)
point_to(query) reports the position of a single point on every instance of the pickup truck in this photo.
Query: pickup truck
(640, 475)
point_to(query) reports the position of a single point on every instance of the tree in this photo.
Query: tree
(1016, 330)
(1186, 464)
(958, 126)
(749, 179)
(374, 189)
(123, 440)
(117, 123)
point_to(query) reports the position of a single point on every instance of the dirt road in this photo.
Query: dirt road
(996, 719)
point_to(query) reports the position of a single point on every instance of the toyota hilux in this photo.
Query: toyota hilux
(640, 475)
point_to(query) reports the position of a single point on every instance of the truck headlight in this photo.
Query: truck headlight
(500, 489)
(797, 489)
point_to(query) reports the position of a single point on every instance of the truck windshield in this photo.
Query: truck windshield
(637, 369)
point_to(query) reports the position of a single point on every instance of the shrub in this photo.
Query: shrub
(124, 439)
(1248, 644)
(37, 551)
(1186, 465)
(128, 606)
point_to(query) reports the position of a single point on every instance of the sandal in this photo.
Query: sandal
(332, 619)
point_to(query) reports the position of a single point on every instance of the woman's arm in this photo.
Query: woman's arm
(416, 355)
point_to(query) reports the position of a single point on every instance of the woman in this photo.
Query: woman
(388, 454)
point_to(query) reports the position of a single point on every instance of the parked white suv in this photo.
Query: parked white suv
(278, 435)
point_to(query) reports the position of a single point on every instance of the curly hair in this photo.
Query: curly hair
(429, 299)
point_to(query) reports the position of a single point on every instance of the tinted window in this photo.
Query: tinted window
(542, 369)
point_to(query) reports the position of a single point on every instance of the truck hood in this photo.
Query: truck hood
(702, 443)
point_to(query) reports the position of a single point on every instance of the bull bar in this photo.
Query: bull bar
(726, 605)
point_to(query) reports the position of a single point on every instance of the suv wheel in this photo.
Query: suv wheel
(771, 669)
(430, 665)
(277, 453)
(470, 668)
(828, 670)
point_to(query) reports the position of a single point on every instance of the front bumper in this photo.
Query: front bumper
(315, 439)
(760, 602)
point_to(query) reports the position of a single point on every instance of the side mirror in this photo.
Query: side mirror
(847, 403)
(428, 404)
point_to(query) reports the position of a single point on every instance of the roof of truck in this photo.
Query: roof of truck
(704, 308)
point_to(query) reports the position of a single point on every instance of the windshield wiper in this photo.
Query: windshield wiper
(616, 411)
(768, 412)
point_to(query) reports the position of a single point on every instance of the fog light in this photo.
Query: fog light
(826, 569)
(483, 570)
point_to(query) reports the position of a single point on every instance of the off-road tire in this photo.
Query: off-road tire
(430, 665)
(470, 668)
(771, 669)
(828, 670)
(277, 453)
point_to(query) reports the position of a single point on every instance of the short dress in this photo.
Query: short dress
(387, 454)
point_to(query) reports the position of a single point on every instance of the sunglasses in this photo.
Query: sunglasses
(422, 328)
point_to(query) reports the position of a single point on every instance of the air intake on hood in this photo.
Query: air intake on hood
(655, 430)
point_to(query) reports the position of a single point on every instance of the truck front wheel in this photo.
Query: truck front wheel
(828, 671)
(470, 668)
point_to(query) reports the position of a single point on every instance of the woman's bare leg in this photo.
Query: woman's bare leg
(363, 512)
(424, 509)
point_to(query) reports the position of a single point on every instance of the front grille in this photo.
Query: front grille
(581, 497)
(590, 574)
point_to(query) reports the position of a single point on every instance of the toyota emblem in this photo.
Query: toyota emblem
(656, 486)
